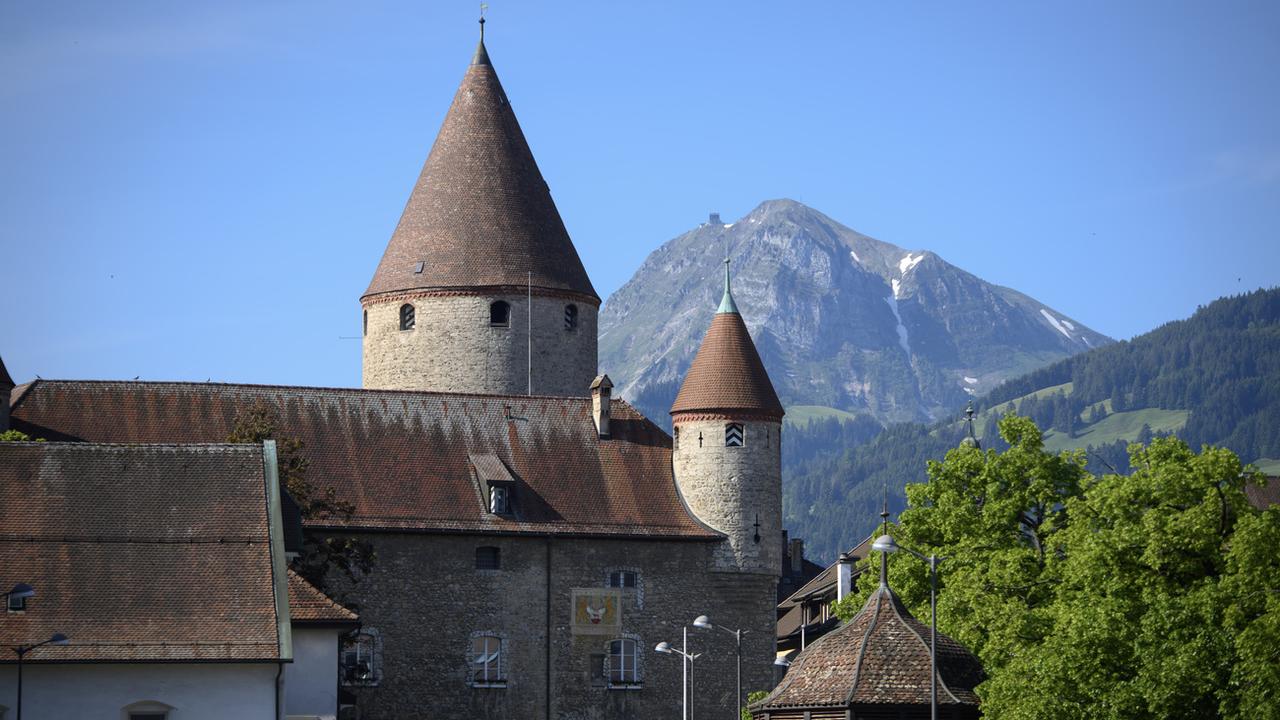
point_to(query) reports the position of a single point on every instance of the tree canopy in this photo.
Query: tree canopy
(1151, 594)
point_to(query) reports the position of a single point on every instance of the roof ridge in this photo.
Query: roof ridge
(866, 640)
(358, 390)
(934, 670)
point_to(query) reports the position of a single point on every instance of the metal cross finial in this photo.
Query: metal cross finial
(884, 512)
(483, 7)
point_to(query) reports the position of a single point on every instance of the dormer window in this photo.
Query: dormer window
(733, 435)
(571, 317)
(500, 314)
(499, 499)
(407, 319)
(17, 603)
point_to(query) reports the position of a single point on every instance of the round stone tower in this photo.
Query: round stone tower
(727, 426)
(480, 288)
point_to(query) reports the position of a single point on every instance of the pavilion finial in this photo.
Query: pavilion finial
(483, 7)
(727, 305)
(482, 55)
(884, 530)
(972, 439)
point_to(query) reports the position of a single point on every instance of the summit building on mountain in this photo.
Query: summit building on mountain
(534, 537)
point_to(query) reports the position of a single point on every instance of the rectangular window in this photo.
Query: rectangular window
(357, 660)
(733, 435)
(17, 604)
(499, 500)
(488, 558)
(624, 663)
(622, 579)
(486, 661)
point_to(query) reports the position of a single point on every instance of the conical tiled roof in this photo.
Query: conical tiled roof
(880, 657)
(727, 374)
(480, 215)
(5, 380)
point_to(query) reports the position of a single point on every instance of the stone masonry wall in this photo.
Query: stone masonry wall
(425, 598)
(453, 348)
(727, 487)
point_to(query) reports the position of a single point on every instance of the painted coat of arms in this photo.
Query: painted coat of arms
(596, 611)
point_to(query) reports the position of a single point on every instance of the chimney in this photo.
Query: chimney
(601, 392)
(844, 575)
(6, 388)
(797, 555)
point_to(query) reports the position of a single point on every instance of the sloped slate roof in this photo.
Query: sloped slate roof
(403, 459)
(727, 374)
(481, 214)
(308, 605)
(880, 657)
(155, 553)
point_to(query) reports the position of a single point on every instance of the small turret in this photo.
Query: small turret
(727, 422)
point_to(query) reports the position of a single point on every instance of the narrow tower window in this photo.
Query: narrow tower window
(675, 438)
(364, 320)
(733, 435)
(500, 314)
(570, 317)
(406, 317)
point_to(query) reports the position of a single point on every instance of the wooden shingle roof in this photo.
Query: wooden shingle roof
(481, 214)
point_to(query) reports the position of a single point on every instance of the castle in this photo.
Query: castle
(535, 538)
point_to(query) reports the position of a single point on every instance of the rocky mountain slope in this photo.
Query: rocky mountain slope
(842, 320)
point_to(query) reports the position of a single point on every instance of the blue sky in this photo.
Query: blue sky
(202, 190)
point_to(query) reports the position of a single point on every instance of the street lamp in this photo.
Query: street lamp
(886, 544)
(687, 657)
(22, 650)
(702, 621)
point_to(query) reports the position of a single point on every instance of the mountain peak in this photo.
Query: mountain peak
(840, 319)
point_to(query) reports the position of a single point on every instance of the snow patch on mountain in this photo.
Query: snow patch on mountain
(971, 380)
(908, 262)
(903, 338)
(855, 257)
(897, 285)
(1054, 322)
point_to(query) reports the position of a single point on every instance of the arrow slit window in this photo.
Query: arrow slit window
(407, 319)
(733, 435)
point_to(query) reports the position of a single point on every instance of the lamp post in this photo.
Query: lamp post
(886, 544)
(22, 650)
(687, 658)
(702, 621)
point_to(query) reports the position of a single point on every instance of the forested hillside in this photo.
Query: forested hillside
(1211, 379)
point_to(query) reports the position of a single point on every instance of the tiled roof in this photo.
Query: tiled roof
(880, 657)
(1265, 496)
(825, 581)
(153, 553)
(403, 459)
(727, 374)
(307, 605)
(481, 214)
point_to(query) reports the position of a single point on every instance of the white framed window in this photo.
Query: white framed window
(499, 499)
(628, 580)
(361, 658)
(623, 671)
(487, 659)
(734, 435)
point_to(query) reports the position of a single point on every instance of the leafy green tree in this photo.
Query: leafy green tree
(753, 696)
(321, 554)
(17, 436)
(1151, 594)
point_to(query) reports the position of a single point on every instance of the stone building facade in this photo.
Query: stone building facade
(531, 548)
(453, 345)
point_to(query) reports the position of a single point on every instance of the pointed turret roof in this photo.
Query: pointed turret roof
(727, 374)
(879, 658)
(481, 215)
(6, 382)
